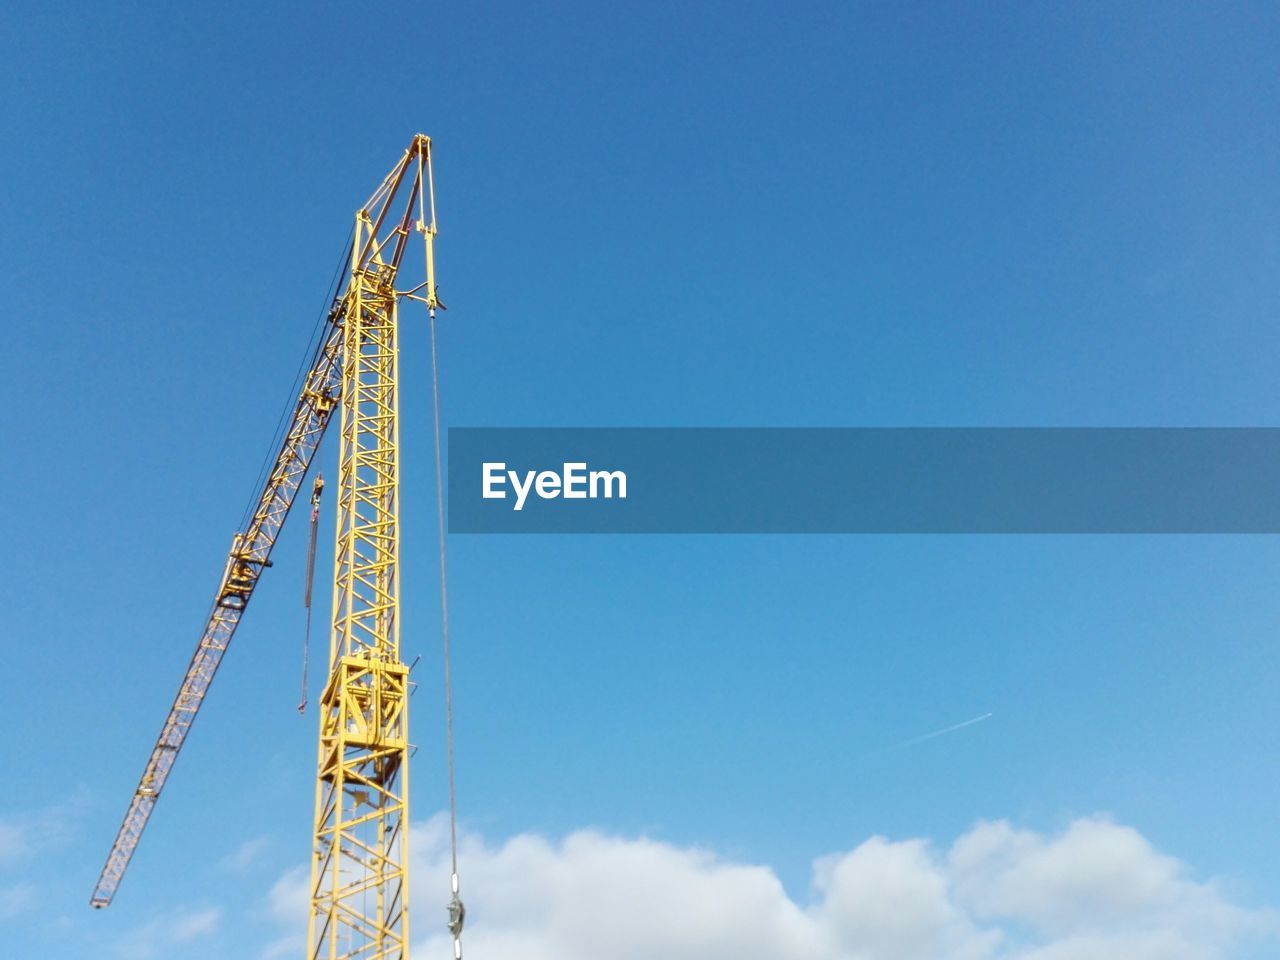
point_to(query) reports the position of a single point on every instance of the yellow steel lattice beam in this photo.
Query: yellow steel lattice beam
(359, 881)
(249, 556)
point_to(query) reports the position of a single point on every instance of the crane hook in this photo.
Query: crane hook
(316, 489)
(457, 915)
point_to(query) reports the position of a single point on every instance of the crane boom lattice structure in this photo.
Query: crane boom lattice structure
(359, 882)
(250, 554)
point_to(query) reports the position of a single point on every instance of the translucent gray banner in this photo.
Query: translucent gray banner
(864, 480)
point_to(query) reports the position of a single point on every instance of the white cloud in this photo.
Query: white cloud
(23, 835)
(244, 856)
(13, 840)
(892, 900)
(16, 900)
(192, 926)
(1096, 891)
(159, 935)
(287, 902)
(1097, 877)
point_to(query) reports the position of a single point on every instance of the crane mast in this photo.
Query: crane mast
(359, 882)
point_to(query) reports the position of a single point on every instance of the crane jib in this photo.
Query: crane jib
(249, 555)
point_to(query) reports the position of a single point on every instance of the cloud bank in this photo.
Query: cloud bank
(1096, 891)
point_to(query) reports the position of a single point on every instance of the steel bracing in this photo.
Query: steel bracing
(250, 553)
(359, 881)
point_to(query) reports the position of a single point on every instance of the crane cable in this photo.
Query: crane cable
(316, 488)
(457, 912)
(314, 345)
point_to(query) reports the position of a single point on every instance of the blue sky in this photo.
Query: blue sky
(651, 214)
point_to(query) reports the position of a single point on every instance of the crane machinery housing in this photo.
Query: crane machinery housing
(359, 862)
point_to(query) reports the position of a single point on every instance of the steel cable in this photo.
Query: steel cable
(456, 910)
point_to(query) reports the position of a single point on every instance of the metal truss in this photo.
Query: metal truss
(359, 881)
(250, 555)
(359, 884)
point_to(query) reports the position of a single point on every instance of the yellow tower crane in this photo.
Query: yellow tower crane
(359, 866)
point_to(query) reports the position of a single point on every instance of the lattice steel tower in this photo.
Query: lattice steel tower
(359, 880)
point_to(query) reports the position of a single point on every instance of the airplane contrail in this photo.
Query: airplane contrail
(938, 733)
